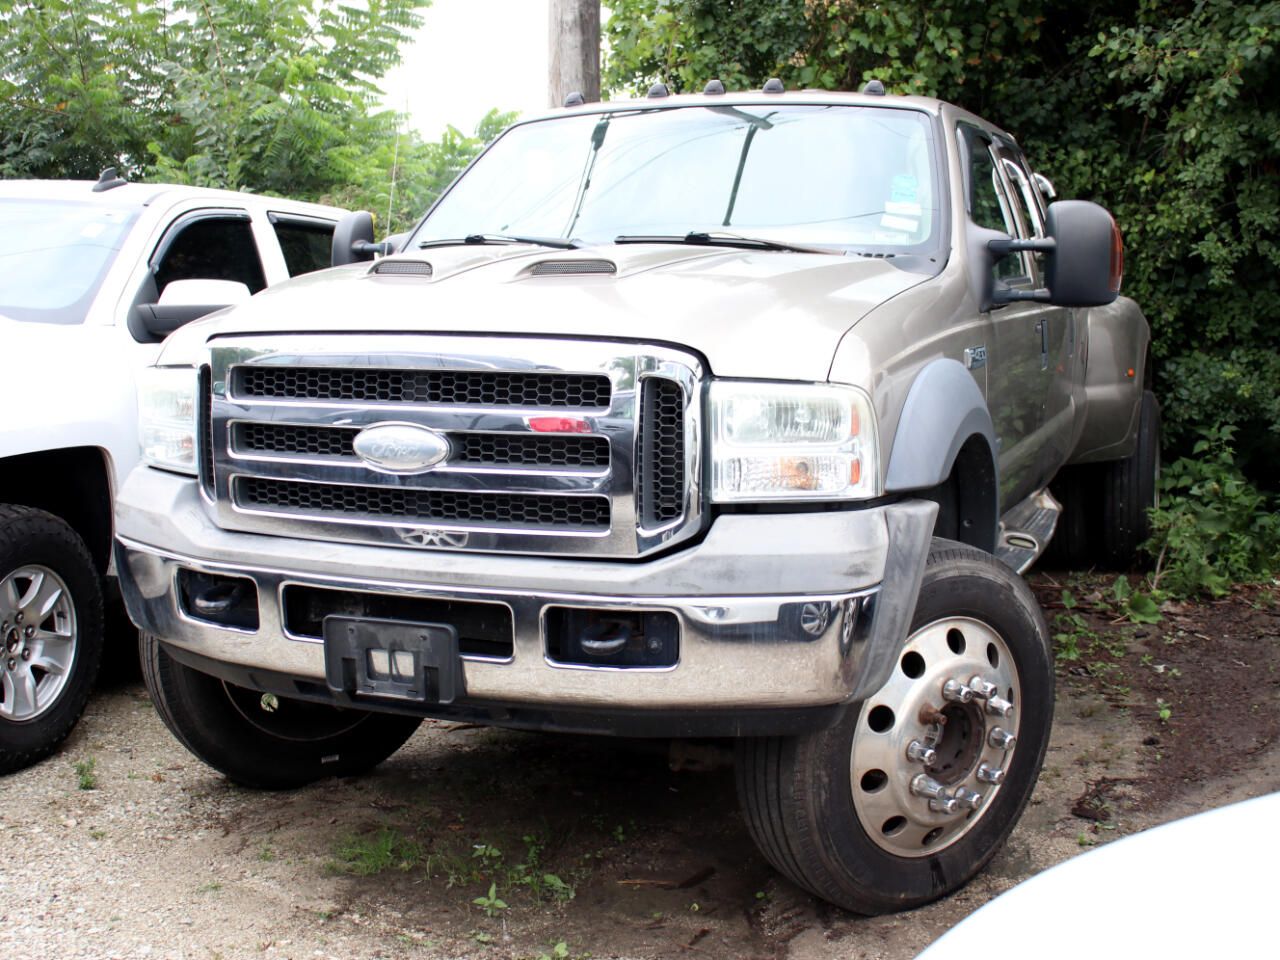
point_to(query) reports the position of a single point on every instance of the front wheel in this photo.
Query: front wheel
(50, 633)
(913, 791)
(260, 740)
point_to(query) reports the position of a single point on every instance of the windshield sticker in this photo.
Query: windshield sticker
(888, 236)
(899, 223)
(91, 230)
(905, 189)
(898, 208)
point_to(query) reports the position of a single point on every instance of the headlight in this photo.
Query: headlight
(782, 441)
(167, 417)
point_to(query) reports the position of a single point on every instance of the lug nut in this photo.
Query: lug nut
(921, 754)
(990, 774)
(26, 653)
(28, 631)
(939, 802)
(1001, 738)
(982, 689)
(12, 663)
(17, 618)
(999, 706)
(967, 798)
(956, 692)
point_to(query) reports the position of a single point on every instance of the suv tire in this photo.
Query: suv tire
(50, 633)
(838, 810)
(264, 741)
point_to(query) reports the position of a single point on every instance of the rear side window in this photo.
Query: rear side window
(989, 206)
(212, 248)
(307, 245)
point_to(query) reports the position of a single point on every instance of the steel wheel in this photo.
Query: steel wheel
(930, 749)
(39, 634)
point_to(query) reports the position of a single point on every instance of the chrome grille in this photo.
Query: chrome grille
(550, 446)
(460, 387)
(431, 507)
(496, 449)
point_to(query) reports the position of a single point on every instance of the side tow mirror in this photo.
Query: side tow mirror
(353, 239)
(1087, 266)
(185, 300)
(1084, 257)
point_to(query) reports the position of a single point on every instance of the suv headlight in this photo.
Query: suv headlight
(791, 441)
(167, 417)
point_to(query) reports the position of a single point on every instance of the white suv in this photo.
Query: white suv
(92, 277)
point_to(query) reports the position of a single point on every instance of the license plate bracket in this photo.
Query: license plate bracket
(392, 658)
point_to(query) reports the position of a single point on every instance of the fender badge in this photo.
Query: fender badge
(975, 357)
(403, 448)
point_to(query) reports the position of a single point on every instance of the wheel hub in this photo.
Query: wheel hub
(39, 636)
(931, 747)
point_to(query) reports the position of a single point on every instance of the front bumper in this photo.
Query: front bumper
(736, 594)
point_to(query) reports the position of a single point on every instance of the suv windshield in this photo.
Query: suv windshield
(845, 177)
(54, 254)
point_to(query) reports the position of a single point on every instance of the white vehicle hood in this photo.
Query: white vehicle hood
(749, 313)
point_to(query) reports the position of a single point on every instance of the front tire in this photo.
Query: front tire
(272, 743)
(845, 812)
(50, 633)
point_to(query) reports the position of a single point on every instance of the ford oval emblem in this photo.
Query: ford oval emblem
(400, 447)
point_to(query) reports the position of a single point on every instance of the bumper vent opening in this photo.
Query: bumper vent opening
(484, 629)
(612, 638)
(204, 405)
(660, 457)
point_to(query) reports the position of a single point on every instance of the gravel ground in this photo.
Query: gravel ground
(162, 857)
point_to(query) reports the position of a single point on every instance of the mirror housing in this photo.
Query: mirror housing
(353, 240)
(1084, 258)
(1087, 267)
(185, 300)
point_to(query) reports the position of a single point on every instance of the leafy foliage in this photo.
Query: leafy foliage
(1213, 528)
(1163, 111)
(276, 97)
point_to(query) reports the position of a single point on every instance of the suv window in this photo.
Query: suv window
(307, 244)
(989, 204)
(212, 248)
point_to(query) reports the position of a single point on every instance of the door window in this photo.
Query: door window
(989, 206)
(212, 248)
(307, 244)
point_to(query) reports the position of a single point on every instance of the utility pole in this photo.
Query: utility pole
(575, 50)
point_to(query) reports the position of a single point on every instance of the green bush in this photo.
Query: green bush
(1213, 528)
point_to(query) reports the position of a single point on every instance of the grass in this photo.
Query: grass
(85, 776)
(366, 856)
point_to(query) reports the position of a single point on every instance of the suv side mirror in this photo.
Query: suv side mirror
(1084, 257)
(185, 300)
(353, 240)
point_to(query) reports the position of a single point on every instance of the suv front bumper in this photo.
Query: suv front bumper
(737, 595)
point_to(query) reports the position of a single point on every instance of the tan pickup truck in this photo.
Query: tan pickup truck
(726, 415)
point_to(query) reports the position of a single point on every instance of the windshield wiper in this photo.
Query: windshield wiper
(703, 238)
(481, 239)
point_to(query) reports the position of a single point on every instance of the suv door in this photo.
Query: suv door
(1017, 356)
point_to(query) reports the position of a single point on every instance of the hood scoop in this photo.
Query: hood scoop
(401, 268)
(570, 268)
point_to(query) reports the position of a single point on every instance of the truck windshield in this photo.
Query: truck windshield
(54, 254)
(847, 177)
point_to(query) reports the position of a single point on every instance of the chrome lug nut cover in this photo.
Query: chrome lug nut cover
(990, 774)
(970, 799)
(956, 692)
(999, 707)
(921, 753)
(1001, 739)
(982, 689)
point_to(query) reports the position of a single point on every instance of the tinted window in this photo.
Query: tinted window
(53, 256)
(988, 204)
(213, 248)
(852, 177)
(307, 245)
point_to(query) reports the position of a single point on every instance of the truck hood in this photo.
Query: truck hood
(749, 313)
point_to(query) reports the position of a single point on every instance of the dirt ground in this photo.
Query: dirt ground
(123, 845)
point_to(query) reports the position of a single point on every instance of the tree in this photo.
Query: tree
(1163, 111)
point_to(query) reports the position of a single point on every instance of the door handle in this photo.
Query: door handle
(1042, 327)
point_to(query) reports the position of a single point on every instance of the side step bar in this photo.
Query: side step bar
(1025, 530)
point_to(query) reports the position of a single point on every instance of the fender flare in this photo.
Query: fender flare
(944, 408)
